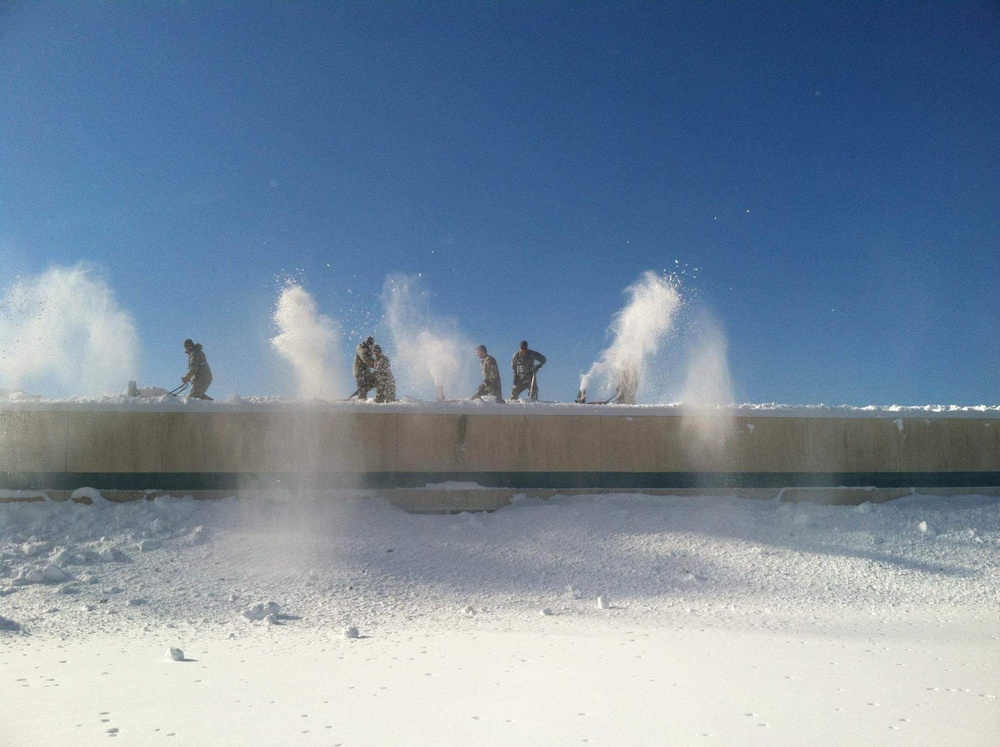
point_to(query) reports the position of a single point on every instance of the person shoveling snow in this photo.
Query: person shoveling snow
(199, 375)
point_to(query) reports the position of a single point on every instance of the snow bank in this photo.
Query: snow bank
(363, 561)
(600, 619)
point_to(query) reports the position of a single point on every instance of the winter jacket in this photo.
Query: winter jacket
(524, 363)
(491, 379)
(364, 361)
(197, 364)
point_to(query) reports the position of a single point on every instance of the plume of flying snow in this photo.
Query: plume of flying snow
(431, 355)
(637, 332)
(708, 391)
(707, 382)
(309, 341)
(64, 329)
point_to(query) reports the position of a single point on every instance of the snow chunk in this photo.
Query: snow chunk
(175, 653)
(262, 611)
(351, 632)
(9, 625)
(32, 547)
(47, 574)
(112, 555)
(86, 495)
(196, 536)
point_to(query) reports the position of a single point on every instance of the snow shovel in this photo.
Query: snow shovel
(179, 389)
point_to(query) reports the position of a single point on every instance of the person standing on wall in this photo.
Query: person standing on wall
(385, 382)
(198, 374)
(491, 376)
(364, 367)
(525, 365)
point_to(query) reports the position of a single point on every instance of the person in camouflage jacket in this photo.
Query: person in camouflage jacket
(385, 382)
(491, 376)
(364, 367)
(198, 373)
(525, 365)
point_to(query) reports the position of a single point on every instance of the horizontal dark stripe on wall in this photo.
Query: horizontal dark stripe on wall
(515, 480)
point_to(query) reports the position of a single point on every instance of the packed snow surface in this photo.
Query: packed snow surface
(614, 619)
(153, 399)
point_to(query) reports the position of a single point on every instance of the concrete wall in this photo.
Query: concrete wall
(216, 449)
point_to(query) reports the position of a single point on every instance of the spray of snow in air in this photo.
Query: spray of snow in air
(708, 387)
(637, 332)
(707, 382)
(64, 330)
(430, 352)
(309, 341)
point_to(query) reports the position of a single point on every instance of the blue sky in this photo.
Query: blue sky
(826, 174)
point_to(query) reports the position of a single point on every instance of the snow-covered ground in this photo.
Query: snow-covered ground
(616, 619)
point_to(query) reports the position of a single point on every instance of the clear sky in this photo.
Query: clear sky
(827, 176)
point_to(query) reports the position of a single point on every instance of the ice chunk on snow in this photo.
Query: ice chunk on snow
(196, 536)
(86, 495)
(48, 574)
(112, 555)
(351, 632)
(31, 548)
(261, 611)
(9, 625)
(175, 653)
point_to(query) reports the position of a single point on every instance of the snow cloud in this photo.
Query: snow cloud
(64, 330)
(309, 341)
(429, 350)
(637, 331)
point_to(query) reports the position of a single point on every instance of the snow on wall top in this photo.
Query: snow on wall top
(21, 402)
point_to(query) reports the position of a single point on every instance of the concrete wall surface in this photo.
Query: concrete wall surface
(220, 449)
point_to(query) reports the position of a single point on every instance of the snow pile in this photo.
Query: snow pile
(360, 561)
(600, 619)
